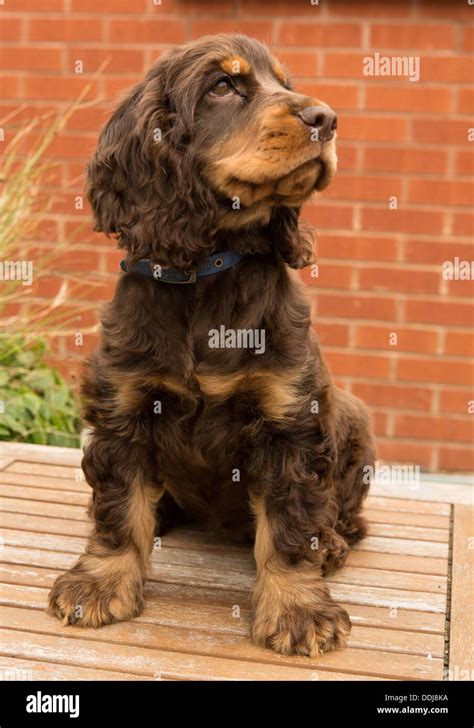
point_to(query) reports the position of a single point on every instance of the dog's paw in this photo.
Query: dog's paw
(335, 551)
(301, 630)
(79, 598)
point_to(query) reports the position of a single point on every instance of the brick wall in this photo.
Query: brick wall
(380, 268)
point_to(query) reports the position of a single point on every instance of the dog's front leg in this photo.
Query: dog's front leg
(293, 610)
(106, 583)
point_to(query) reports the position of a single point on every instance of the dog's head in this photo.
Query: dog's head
(214, 139)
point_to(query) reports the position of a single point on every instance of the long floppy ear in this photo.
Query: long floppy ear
(295, 240)
(144, 185)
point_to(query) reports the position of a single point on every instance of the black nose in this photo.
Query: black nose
(321, 118)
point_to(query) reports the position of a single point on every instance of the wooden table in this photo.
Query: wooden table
(407, 587)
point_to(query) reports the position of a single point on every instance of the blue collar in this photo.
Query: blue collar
(216, 264)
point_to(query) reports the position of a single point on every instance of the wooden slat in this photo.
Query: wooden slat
(404, 546)
(182, 574)
(52, 471)
(5, 460)
(406, 518)
(41, 453)
(92, 652)
(219, 618)
(392, 530)
(462, 617)
(43, 494)
(363, 559)
(12, 668)
(401, 505)
(348, 575)
(41, 508)
(427, 491)
(203, 598)
(44, 481)
(232, 647)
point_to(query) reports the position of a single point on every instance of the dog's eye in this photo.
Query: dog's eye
(222, 87)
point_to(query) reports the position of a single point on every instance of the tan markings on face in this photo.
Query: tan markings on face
(276, 391)
(286, 597)
(279, 72)
(274, 158)
(235, 66)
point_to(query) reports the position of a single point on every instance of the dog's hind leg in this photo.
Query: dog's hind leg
(106, 583)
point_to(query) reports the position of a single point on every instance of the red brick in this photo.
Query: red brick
(444, 193)
(372, 128)
(114, 87)
(434, 370)
(459, 343)
(456, 401)
(370, 9)
(275, 8)
(65, 29)
(463, 224)
(466, 100)
(434, 428)
(350, 247)
(11, 28)
(332, 334)
(378, 337)
(408, 98)
(84, 260)
(39, 6)
(456, 458)
(468, 39)
(429, 131)
(10, 86)
(379, 422)
(358, 307)
(452, 69)
(395, 451)
(31, 59)
(401, 220)
(434, 252)
(407, 280)
(465, 163)
(60, 87)
(462, 288)
(261, 29)
(328, 216)
(342, 97)
(449, 10)
(147, 30)
(109, 6)
(346, 157)
(358, 365)
(299, 63)
(117, 60)
(329, 276)
(317, 34)
(363, 187)
(387, 159)
(412, 36)
(439, 312)
(393, 396)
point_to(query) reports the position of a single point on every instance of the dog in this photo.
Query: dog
(200, 175)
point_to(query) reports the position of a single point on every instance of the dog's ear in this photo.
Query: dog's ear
(295, 241)
(143, 183)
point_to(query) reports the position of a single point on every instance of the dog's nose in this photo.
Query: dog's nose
(321, 118)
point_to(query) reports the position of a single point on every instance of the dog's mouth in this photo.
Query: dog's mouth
(280, 166)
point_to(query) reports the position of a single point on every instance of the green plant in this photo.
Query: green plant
(36, 405)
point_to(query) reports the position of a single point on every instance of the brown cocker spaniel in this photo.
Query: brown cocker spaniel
(208, 396)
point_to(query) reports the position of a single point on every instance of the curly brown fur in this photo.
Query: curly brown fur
(173, 417)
